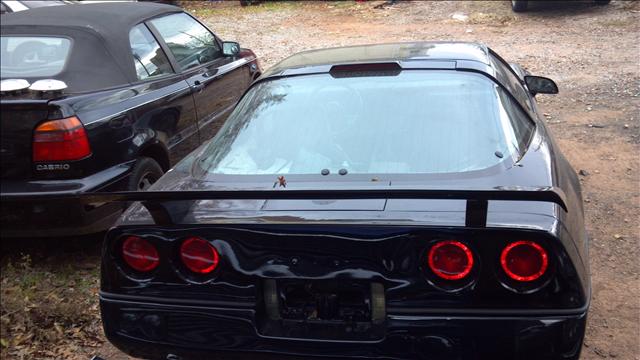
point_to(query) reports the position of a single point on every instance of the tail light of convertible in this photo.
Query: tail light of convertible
(450, 260)
(524, 261)
(199, 256)
(60, 140)
(140, 254)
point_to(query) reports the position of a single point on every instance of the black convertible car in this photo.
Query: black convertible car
(398, 201)
(105, 97)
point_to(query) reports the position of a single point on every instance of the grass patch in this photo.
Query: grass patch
(47, 305)
(630, 5)
(491, 19)
(621, 22)
(206, 9)
(342, 4)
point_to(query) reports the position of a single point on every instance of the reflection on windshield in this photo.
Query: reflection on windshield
(191, 43)
(415, 122)
(149, 58)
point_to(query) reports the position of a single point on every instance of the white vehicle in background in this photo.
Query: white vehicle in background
(9, 6)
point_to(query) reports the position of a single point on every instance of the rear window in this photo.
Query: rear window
(417, 122)
(24, 56)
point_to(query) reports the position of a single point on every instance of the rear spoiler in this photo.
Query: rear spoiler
(158, 203)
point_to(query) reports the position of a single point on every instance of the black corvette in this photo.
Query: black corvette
(105, 97)
(397, 201)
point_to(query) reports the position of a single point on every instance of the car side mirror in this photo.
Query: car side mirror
(230, 48)
(540, 85)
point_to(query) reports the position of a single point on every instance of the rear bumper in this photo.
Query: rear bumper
(153, 330)
(23, 215)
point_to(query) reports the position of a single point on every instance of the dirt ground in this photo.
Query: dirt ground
(49, 287)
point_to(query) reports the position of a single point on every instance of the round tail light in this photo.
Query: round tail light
(450, 260)
(140, 254)
(199, 255)
(524, 260)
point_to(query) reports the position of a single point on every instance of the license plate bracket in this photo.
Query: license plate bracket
(323, 309)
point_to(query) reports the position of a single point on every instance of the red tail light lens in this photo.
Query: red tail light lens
(140, 254)
(199, 255)
(524, 260)
(450, 260)
(60, 140)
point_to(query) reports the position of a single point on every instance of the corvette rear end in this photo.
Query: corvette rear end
(396, 289)
(400, 201)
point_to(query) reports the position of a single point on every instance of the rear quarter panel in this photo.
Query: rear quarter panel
(122, 123)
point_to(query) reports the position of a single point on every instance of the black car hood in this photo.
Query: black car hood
(534, 169)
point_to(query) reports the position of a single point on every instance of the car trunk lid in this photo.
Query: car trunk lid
(328, 204)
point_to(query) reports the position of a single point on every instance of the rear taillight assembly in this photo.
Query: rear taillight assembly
(60, 140)
(140, 254)
(450, 260)
(524, 261)
(199, 256)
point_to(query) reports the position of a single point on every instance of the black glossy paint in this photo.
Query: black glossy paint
(163, 118)
(486, 316)
(215, 333)
(391, 255)
(355, 242)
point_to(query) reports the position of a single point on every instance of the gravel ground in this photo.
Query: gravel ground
(593, 53)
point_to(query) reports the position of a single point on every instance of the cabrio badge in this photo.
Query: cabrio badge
(41, 167)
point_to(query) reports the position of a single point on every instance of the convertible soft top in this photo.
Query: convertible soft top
(101, 53)
(108, 19)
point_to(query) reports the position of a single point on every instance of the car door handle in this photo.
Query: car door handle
(197, 86)
(210, 73)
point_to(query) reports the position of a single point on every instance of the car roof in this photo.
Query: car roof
(313, 60)
(100, 34)
(105, 18)
(421, 55)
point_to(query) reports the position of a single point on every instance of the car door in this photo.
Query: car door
(217, 81)
(169, 113)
